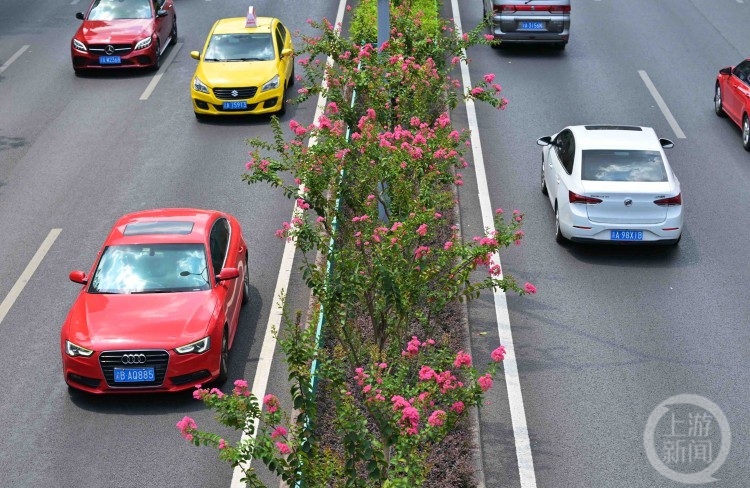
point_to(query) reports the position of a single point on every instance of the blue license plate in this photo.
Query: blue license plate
(134, 375)
(110, 60)
(534, 26)
(238, 105)
(626, 235)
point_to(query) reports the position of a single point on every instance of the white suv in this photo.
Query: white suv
(533, 21)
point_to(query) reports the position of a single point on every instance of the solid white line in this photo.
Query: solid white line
(13, 58)
(18, 287)
(512, 380)
(263, 371)
(662, 105)
(152, 86)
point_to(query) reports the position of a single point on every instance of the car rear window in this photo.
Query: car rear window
(622, 165)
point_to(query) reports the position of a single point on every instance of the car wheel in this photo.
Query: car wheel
(200, 117)
(157, 63)
(173, 34)
(282, 110)
(746, 133)
(718, 106)
(561, 45)
(246, 286)
(544, 183)
(292, 78)
(223, 360)
(559, 238)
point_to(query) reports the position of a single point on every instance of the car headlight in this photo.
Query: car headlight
(270, 85)
(198, 85)
(196, 347)
(76, 350)
(79, 46)
(143, 44)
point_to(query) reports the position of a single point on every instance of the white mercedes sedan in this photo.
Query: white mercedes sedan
(610, 183)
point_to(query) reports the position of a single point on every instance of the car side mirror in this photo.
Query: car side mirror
(161, 13)
(78, 277)
(544, 141)
(726, 71)
(666, 143)
(79, 15)
(228, 274)
(286, 52)
(195, 54)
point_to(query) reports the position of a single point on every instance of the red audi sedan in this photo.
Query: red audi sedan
(123, 34)
(732, 97)
(159, 310)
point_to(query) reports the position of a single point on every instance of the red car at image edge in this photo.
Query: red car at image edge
(159, 309)
(732, 97)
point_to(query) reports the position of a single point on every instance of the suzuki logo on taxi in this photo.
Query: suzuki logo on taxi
(628, 202)
(235, 93)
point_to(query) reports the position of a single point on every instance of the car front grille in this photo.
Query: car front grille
(235, 93)
(157, 359)
(119, 49)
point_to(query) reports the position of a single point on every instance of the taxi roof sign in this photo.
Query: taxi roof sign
(251, 20)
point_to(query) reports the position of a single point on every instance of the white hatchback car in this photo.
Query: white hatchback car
(610, 183)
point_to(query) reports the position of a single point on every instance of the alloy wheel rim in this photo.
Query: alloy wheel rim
(224, 353)
(745, 131)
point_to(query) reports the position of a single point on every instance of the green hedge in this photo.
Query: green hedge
(365, 21)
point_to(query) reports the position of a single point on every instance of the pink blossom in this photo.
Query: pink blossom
(426, 373)
(437, 418)
(399, 402)
(529, 288)
(458, 407)
(217, 392)
(333, 108)
(422, 230)
(223, 444)
(421, 252)
(279, 431)
(489, 77)
(485, 382)
(186, 425)
(447, 245)
(283, 448)
(478, 90)
(462, 359)
(498, 354)
(412, 347)
(271, 402)
(489, 37)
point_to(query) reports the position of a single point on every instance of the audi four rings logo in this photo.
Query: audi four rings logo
(109, 50)
(235, 93)
(133, 358)
(628, 202)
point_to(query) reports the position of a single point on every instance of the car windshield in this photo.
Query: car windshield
(240, 47)
(151, 268)
(120, 9)
(622, 165)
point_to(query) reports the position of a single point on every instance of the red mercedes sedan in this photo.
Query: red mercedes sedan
(159, 310)
(732, 97)
(123, 34)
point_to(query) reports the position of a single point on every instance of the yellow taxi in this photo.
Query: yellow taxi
(245, 67)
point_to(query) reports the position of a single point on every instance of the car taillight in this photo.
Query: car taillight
(510, 8)
(666, 202)
(576, 198)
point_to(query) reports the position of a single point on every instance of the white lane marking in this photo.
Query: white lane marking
(262, 372)
(13, 58)
(512, 380)
(662, 105)
(155, 80)
(18, 287)
(74, 2)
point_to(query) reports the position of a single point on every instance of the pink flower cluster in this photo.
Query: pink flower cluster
(186, 425)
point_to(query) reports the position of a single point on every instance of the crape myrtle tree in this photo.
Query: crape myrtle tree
(374, 180)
